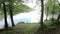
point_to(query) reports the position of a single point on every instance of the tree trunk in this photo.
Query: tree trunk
(58, 17)
(5, 15)
(59, 11)
(53, 12)
(47, 13)
(42, 12)
(11, 14)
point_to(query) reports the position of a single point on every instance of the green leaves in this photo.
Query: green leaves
(17, 6)
(53, 6)
(21, 8)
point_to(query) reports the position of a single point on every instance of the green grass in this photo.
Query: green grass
(31, 28)
(26, 28)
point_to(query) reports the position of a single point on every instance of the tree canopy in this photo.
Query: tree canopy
(53, 6)
(17, 6)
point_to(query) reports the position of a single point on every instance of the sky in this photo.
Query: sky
(31, 15)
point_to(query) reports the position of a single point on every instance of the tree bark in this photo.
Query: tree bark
(59, 12)
(5, 15)
(11, 14)
(58, 17)
(47, 13)
(42, 12)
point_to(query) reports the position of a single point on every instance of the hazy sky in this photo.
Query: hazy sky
(32, 15)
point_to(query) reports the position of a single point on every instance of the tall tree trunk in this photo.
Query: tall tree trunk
(11, 14)
(47, 13)
(5, 15)
(52, 16)
(53, 12)
(42, 13)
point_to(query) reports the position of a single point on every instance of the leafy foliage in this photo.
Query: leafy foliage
(21, 8)
(53, 6)
(17, 6)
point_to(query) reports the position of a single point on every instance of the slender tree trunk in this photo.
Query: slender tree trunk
(42, 12)
(52, 16)
(5, 15)
(59, 12)
(58, 17)
(47, 13)
(53, 12)
(46, 17)
(11, 14)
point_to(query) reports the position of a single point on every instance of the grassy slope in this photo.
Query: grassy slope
(23, 29)
(32, 28)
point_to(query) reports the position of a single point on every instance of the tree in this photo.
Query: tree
(59, 11)
(58, 17)
(47, 9)
(4, 9)
(53, 7)
(11, 14)
(42, 12)
(13, 9)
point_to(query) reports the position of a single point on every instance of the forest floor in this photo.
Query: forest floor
(22, 29)
(52, 31)
(30, 29)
